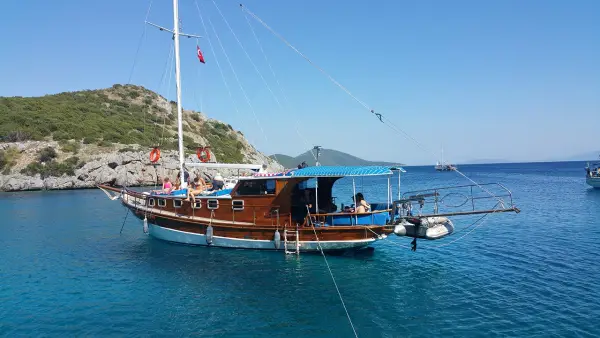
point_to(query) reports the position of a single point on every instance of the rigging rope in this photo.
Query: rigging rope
(212, 49)
(480, 219)
(379, 116)
(331, 273)
(160, 86)
(199, 83)
(139, 44)
(239, 82)
(170, 108)
(256, 68)
(287, 102)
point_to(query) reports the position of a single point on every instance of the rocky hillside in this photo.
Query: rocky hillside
(79, 139)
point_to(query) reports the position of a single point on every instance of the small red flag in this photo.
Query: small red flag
(200, 57)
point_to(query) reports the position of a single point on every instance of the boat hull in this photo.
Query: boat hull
(189, 238)
(193, 229)
(593, 182)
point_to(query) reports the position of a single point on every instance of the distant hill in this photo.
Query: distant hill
(486, 161)
(590, 156)
(328, 157)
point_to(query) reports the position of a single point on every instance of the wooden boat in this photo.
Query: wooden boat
(264, 212)
(278, 211)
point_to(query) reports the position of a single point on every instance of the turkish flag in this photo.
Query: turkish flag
(200, 57)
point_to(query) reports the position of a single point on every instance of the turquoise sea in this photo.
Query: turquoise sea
(66, 271)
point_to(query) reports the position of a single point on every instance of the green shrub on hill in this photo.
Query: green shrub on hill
(47, 154)
(53, 168)
(224, 144)
(8, 158)
(109, 116)
(70, 147)
(78, 115)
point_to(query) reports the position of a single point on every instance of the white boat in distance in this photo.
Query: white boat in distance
(592, 177)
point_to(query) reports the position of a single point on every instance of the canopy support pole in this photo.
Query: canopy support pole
(354, 198)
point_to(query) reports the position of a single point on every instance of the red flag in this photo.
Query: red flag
(200, 57)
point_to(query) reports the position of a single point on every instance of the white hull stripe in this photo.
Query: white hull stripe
(184, 237)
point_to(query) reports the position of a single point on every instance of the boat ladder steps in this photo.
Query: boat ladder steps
(294, 240)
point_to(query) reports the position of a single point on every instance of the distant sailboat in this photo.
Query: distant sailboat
(592, 177)
(442, 166)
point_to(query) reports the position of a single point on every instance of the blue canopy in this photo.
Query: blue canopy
(340, 171)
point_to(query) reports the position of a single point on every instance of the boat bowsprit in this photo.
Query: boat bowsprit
(427, 228)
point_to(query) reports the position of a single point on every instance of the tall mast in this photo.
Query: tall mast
(442, 155)
(178, 84)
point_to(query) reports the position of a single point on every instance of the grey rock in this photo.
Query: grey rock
(132, 168)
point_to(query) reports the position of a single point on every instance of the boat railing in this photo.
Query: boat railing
(349, 218)
(456, 200)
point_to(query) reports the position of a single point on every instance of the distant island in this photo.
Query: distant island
(328, 157)
(487, 161)
(589, 156)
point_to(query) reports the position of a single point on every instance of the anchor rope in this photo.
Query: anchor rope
(125, 219)
(331, 273)
(380, 116)
(239, 82)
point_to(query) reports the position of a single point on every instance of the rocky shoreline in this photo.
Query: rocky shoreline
(120, 165)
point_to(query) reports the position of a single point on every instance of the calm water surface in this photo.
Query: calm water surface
(66, 271)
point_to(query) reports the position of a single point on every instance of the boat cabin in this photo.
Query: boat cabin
(310, 190)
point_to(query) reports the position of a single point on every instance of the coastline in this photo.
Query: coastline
(119, 165)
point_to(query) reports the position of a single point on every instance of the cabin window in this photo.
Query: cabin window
(256, 187)
(197, 204)
(162, 203)
(177, 203)
(212, 204)
(237, 205)
(151, 202)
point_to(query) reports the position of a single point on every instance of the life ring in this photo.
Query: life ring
(203, 154)
(155, 155)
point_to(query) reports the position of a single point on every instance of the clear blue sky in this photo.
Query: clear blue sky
(516, 80)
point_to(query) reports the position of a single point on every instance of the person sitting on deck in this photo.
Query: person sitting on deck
(197, 187)
(166, 188)
(218, 182)
(361, 206)
(177, 183)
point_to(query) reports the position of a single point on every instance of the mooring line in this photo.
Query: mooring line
(331, 274)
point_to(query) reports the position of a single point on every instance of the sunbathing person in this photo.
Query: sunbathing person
(166, 188)
(197, 187)
(361, 206)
